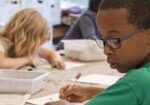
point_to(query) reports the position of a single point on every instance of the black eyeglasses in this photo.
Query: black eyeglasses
(114, 43)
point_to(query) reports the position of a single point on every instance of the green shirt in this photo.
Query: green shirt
(132, 89)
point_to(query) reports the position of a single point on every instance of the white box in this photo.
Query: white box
(14, 81)
(84, 50)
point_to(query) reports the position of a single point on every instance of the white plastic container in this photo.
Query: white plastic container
(14, 81)
(84, 50)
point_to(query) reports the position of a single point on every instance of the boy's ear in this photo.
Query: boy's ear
(149, 36)
(148, 42)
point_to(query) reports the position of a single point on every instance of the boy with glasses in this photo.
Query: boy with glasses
(125, 37)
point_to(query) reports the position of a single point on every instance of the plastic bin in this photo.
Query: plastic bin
(14, 81)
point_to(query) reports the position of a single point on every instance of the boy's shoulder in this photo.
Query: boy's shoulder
(138, 78)
(140, 73)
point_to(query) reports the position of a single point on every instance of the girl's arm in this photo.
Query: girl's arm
(52, 57)
(14, 63)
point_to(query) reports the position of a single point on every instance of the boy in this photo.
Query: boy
(125, 33)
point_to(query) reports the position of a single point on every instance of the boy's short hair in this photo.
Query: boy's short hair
(94, 4)
(139, 10)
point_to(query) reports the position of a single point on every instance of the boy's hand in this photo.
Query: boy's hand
(78, 93)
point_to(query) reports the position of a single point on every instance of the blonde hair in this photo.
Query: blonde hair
(25, 32)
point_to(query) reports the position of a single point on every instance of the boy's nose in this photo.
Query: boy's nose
(108, 50)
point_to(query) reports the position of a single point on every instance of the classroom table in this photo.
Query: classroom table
(60, 77)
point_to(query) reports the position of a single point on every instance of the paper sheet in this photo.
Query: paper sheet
(103, 80)
(13, 99)
(44, 99)
(71, 65)
(68, 65)
(54, 98)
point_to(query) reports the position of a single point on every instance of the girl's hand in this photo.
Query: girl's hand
(57, 62)
(52, 57)
(30, 60)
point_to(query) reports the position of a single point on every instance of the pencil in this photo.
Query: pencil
(74, 82)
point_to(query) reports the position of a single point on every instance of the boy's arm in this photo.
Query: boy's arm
(79, 92)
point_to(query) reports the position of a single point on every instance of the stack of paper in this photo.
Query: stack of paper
(13, 99)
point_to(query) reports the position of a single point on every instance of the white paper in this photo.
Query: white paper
(50, 98)
(103, 80)
(45, 99)
(13, 99)
(68, 65)
(71, 65)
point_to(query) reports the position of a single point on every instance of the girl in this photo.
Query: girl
(21, 39)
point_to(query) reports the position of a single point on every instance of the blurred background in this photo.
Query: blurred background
(59, 14)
